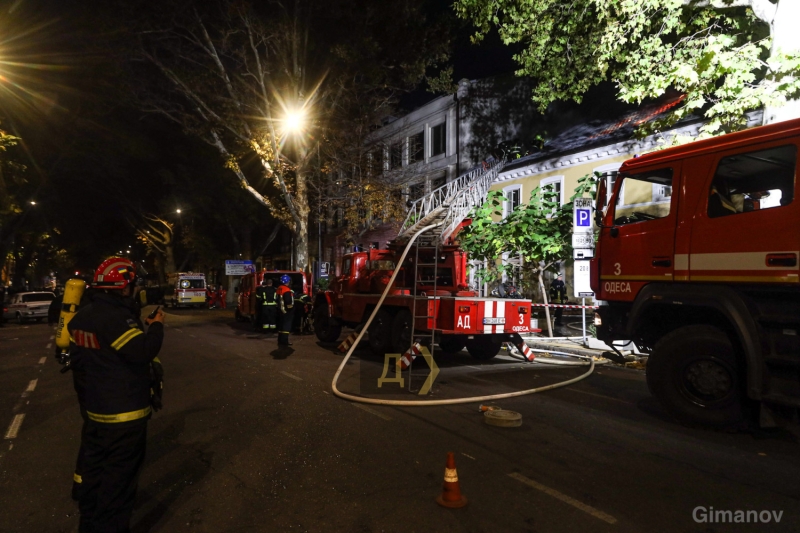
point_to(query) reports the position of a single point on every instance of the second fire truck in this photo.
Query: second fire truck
(430, 299)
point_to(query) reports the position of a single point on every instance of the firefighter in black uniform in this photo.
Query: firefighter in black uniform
(258, 320)
(115, 356)
(286, 301)
(268, 303)
(558, 293)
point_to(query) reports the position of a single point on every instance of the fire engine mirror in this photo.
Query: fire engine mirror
(602, 186)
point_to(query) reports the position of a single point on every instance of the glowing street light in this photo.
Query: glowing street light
(294, 121)
(178, 211)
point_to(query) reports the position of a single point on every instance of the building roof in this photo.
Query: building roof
(601, 132)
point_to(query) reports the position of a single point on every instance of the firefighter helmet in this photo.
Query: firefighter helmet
(285, 279)
(114, 273)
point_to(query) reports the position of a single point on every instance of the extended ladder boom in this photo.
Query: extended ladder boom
(447, 206)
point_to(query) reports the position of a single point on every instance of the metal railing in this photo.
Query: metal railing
(452, 202)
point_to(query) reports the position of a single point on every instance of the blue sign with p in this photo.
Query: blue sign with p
(583, 217)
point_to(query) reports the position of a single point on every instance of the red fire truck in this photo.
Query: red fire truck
(697, 261)
(246, 299)
(430, 295)
(429, 299)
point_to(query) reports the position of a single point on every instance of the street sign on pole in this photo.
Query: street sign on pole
(239, 268)
(583, 240)
(582, 215)
(324, 268)
(581, 286)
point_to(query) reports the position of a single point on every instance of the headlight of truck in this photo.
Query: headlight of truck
(598, 320)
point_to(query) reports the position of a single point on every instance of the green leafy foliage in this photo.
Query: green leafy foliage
(718, 56)
(539, 231)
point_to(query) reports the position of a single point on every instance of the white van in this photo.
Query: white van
(190, 289)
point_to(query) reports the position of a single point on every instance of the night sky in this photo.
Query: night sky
(92, 155)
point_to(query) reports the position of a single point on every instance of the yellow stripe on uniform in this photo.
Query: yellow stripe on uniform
(119, 417)
(125, 337)
(76, 478)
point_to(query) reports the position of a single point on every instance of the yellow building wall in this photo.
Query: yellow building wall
(571, 176)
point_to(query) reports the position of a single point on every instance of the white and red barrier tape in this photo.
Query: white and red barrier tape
(567, 306)
(348, 342)
(524, 350)
(409, 356)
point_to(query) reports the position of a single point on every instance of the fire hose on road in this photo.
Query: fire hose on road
(452, 401)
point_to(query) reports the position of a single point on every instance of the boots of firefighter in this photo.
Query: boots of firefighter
(451, 491)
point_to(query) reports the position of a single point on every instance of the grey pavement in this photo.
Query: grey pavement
(252, 439)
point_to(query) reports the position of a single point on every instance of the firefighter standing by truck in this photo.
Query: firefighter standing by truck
(286, 301)
(114, 355)
(267, 301)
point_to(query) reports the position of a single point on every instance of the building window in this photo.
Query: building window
(513, 196)
(339, 221)
(416, 148)
(416, 191)
(376, 161)
(396, 155)
(556, 185)
(438, 139)
(438, 182)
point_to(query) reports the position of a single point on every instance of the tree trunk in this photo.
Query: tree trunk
(546, 309)
(301, 220)
(159, 264)
(301, 245)
(169, 258)
(785, 38)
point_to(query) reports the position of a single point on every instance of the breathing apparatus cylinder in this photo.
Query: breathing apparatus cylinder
(72, 299)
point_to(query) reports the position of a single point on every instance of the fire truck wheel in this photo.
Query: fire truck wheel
(380, 332)
(452, 343)
(694, 373)
(325, 330)
(483, 347)
(401, 331)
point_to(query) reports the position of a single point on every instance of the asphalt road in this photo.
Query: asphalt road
(252, 439)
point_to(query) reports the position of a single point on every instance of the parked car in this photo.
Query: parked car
(25, 306)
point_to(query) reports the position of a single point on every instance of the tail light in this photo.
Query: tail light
(463, 309)
(522, 310)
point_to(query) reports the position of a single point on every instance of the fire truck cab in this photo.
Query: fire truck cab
(246, 299)
(697, 262)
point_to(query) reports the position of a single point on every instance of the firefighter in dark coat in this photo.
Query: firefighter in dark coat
(286, 301)
(115, 357)
(268, 304)
(558, 294)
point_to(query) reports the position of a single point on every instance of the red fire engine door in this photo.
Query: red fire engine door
(639, 248)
